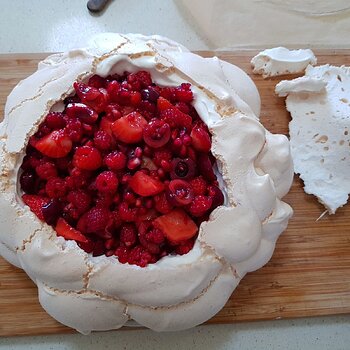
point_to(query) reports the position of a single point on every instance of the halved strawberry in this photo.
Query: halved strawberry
(35, 203)
(163, 104)
(200, 139)
(129, 129)
(145, 185)
(55, 145)
(176, 225)
(68, 232)
(173, 116)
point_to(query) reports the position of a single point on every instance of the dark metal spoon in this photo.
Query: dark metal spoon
(96, 5)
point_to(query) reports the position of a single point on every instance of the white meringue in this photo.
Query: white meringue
(99, 293)
(319, 103)
(280, 61)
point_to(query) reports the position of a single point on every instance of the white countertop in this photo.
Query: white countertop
(44, 26)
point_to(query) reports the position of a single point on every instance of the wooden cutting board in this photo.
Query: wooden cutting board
(308, 275)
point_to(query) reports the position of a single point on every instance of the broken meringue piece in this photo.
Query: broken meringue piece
(319, 104)
(178, 291)
(281, 61)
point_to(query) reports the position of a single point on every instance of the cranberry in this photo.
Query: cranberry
(184, 169)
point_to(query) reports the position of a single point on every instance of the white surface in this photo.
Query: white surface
(40, 25)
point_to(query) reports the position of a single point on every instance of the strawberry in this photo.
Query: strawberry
(55, 145)
(145, 185)
(200, 139)
(129, 129)
(176, 225)
(176, 118)
(35, 203)
(68, 232)
(163, 104)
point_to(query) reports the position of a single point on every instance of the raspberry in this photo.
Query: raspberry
(46, 170)
(183, 93)
(200, 205)
(140, 256)
(127, 214)
(87, 158)
(104, 201)
(199, 186)
(139, 80)
(97, 219)
(80, 199)
(107, 182)
(168, 93)
(128, 235)
(162, 204)
(155, 236)
(102, 141)
(122, 253)
(184, 247)
(74, 129)
(161, 154)
(55, 120)
(56, 187)
(115, 160)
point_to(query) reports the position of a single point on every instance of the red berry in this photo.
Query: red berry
(145, 185)
(74, 130)
(80, 199)
(55, 120)
(87, 158)
(115, 160)
(46, 170)
(56, 187)
(176, 225)
(128, 235)
(200, 139)
(54, 145)
(127, 214)
(200, 205)
(199, 185)
(179, 193)
(183, 93)
(94, 98)
(35, 203)
(162, 204)
(82, 112)
(129, 128)
(97, 219)
(107, 182)
(102, 140)
(156, 133)
(68, 232)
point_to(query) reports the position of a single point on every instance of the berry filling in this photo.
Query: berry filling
(125, 170)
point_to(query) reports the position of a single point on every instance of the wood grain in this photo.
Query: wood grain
(308, 275)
